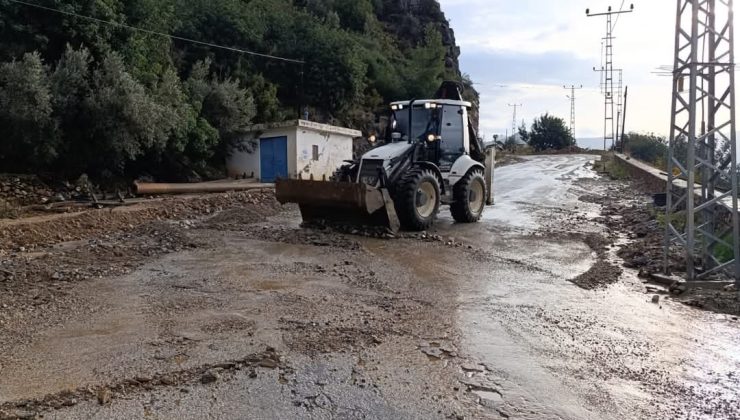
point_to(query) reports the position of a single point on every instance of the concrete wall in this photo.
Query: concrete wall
(333, 148)
(647, 178)
(248, 160)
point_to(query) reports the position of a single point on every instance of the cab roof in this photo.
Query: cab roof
(435, 101)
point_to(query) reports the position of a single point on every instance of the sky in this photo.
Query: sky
(525, 51)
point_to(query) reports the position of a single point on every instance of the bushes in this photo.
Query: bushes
(79, 117)
(648, 147)
(27, 127)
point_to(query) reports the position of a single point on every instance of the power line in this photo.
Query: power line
(148, 31)
(621, 7)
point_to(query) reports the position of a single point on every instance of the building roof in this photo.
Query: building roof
(309, 125)
(518, 140)
(435, 101)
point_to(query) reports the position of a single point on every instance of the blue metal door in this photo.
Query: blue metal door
(273, 158)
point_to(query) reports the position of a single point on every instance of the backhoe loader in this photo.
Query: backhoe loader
(430, 156)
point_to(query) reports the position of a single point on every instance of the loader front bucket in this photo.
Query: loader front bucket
(340, 203)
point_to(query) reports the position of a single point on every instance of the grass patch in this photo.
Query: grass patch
(678, 219)
(613, 168)
(722, 252)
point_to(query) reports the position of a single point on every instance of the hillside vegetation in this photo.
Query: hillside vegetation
(83, 96)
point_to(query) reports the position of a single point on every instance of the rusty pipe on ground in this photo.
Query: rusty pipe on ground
(150, 188)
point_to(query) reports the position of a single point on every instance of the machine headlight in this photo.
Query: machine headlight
(371, 139)
(431, 137)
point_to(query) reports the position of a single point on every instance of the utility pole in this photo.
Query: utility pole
(513, 121)
(617, 137)
(624, 122)
(572, 98)
(703, 217)
(609, 71)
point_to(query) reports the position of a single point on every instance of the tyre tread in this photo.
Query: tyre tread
(460, 207)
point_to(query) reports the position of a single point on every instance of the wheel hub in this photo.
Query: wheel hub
(421, 198)
(426, 199)
(476, 197)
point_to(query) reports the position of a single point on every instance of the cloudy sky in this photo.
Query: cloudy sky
(524, 51)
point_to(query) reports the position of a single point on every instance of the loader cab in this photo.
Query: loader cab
(415, 123)
(440, 124)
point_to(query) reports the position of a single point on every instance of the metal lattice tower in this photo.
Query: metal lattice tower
(608, 71)
(703, 148)
(513, 120)
(572, 98)
(618, 94)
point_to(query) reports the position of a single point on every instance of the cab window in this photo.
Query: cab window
(451, 133)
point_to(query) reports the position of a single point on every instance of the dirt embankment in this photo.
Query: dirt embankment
(625, 209)
(28, 234)
(41, 261)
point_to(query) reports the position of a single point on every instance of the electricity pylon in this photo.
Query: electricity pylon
(572, 98)
(702, 207)
(609, 72)
(513, 121)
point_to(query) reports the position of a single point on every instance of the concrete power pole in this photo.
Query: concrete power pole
(703, 219)
(572, 98)
(513, 121)
(609, 122)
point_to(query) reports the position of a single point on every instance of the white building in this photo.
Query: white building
(286, 149)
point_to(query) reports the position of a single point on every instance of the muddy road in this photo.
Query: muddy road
(240, 313)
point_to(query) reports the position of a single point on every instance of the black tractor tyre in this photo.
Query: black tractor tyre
(417, 199)
(469, 197)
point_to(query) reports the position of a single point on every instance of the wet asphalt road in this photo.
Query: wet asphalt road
(388, 329)
(563, 352)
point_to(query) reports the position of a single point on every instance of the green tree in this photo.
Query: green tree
(71, 85)
(178, 118)
(125, 120)
(228, 108)
(549, 132)
(334, 72)
(223, 111)
(24, 29)
(353, 14)
(426, 66)
(27, 126)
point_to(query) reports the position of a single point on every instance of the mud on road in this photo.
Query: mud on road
(224, 307)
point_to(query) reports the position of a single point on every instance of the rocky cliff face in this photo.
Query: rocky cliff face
(406, 19)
